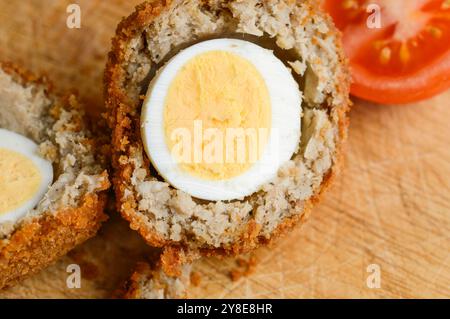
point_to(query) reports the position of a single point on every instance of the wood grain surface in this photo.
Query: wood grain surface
(389, 207)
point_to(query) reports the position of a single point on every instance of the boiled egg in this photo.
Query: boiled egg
(24, 176)
(220, 118)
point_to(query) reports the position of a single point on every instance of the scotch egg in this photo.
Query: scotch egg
(25, 176)
(174, 96)
(220, 118)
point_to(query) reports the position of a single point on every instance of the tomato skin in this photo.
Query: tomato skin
(426, 71)
(433, 80)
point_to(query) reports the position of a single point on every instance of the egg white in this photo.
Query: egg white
(20, 144)
(286, 99)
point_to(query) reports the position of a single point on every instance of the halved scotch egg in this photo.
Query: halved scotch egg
(220, 118)
(52, 179)
(183, 74)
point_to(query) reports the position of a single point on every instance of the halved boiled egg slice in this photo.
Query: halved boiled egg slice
(220, 118)
(24, 176)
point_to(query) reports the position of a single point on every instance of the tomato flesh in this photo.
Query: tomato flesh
(407, 59)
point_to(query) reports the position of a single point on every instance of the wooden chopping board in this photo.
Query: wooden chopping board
(389, 207)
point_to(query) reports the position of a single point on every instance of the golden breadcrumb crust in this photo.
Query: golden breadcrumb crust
(124, 136)
(40, 241)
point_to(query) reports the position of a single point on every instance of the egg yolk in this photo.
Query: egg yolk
(217, 115)
(19, 180)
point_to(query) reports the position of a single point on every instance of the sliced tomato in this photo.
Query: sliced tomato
(405, 58)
